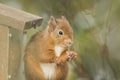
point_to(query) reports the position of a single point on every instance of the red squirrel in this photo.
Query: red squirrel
(47, 53)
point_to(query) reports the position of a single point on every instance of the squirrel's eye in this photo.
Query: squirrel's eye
(60, 32)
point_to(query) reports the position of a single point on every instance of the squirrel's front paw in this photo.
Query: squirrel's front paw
(61, 60)
(71, 54)
(57, 61)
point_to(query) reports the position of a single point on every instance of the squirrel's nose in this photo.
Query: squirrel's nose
(68, 42)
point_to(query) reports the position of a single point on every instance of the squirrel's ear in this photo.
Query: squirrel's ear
(52, 24)
(63, 17)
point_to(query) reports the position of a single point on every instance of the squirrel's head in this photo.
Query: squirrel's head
(60, 31)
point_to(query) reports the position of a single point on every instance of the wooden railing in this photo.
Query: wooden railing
(13, 23)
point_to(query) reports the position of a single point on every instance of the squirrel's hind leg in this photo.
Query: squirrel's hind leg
(61, 72)
(32, 69)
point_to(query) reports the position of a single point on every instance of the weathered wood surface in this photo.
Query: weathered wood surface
(18, 19)
(4, 50)
(15, 52)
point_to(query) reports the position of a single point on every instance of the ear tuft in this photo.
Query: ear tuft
(63, 17)
(52, 18)
(52, 21)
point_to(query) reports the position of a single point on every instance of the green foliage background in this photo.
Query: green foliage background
(96, 25)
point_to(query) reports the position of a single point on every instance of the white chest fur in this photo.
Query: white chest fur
(58, 50)
(48, 70)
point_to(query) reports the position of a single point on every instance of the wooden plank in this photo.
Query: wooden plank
(4, 45)
(18, 19)
(15, 52)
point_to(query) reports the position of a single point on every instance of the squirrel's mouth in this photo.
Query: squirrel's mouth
(66, 46)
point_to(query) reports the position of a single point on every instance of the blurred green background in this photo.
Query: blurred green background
(96, 25)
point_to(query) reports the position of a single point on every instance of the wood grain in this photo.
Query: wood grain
(18, 19)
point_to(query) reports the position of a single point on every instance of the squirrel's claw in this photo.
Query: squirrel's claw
(71, 54)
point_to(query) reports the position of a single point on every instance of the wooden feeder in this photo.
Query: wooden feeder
(13, 23)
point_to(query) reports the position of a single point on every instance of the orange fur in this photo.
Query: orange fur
(41, 49)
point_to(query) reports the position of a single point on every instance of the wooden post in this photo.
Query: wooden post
(4, 52)
(13, 22)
